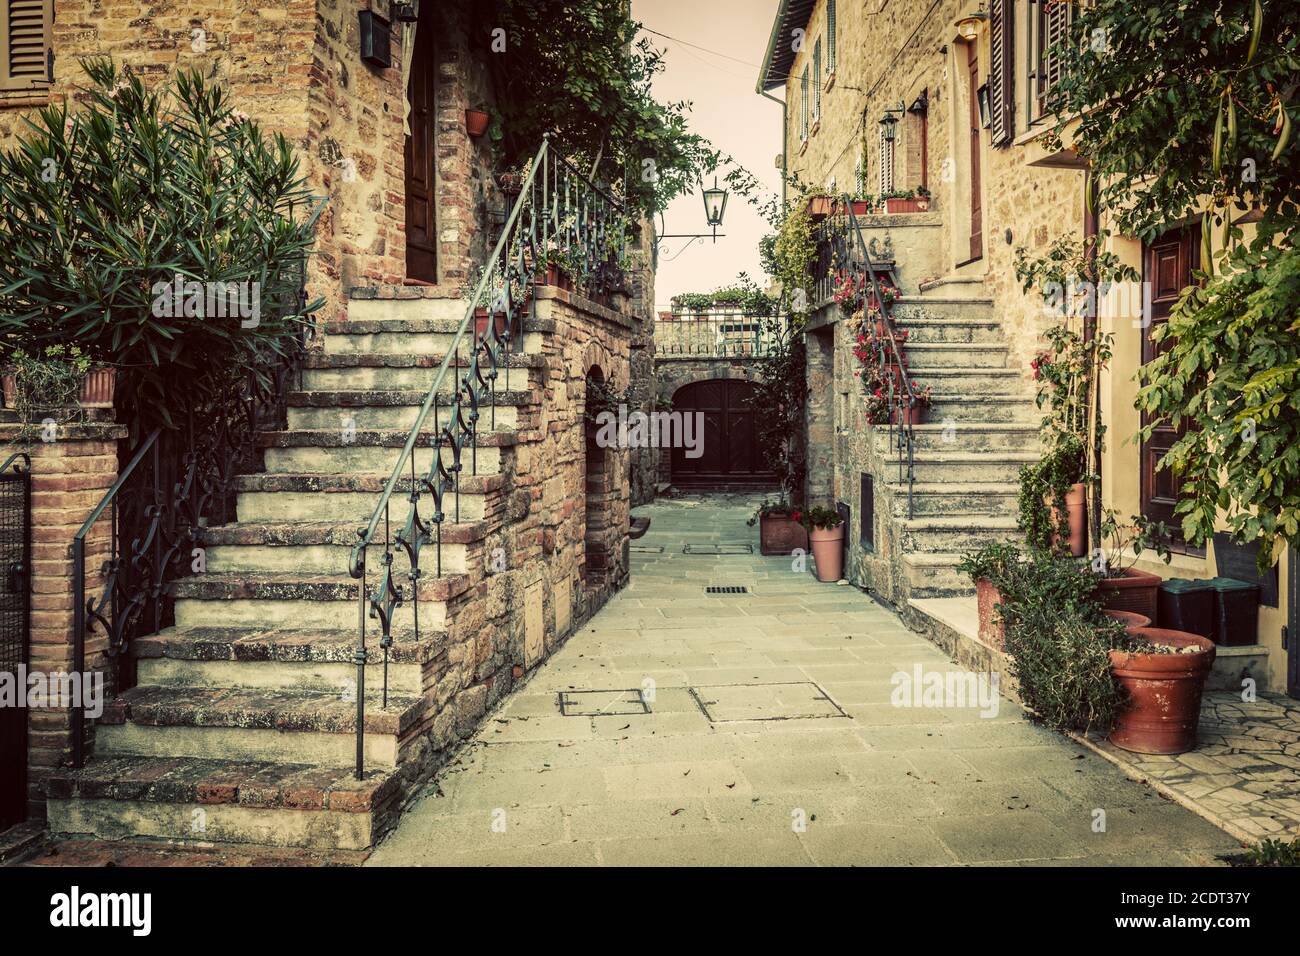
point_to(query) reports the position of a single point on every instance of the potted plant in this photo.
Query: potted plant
(1122, 587)
(825, 530)
(903, 200)
(988, 569)
(779, 531)
(1130, 619)
(922, 199)
(1053, 498)
(820, 206)
(476, 123)
(916, 412)
(56, 383)
(1163, 674)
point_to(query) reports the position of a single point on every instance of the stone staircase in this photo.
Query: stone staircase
(242, 726)
(981, 429)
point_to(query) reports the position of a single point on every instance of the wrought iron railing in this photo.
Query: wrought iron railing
(560, 218)
(719, 333)
(175, 483)
(845, 257)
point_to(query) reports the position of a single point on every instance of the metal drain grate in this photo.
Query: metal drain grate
(718, 549)
(726, 589)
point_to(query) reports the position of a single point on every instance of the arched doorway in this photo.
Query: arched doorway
(730, 453)
(598, 488)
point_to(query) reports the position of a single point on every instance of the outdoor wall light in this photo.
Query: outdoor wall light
(968, 27)
(406, 12)
(889, 122)
(376, 39)
(921, 105)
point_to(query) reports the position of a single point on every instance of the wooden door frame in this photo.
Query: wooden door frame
(426, 33)
(1293, 622)
(974, 170)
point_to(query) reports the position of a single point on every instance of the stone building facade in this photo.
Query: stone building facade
(543, 541)
(944, 98)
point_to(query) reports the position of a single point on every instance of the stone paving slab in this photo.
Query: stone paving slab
(883, 785)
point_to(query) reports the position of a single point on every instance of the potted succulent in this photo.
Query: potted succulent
(57, 383)
(1120, 586)
(779, 530)
(825, 530)
(476, 123)
(989, 569)
(1163, 674)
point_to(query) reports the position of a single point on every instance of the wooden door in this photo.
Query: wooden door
(731, 455)
(1167, 266)
(976, 205)
(421, 178)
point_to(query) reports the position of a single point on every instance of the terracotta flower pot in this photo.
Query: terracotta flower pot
(828, 551)
(481, 323)
(912, 415)
(1164, 693)
(1135, 591)
(476, 123)
(905, 205)
(861, 207)
(780, 534)
(1131, 619)
(1076, 507)
(987, 596)
(97, 388)
(819, 207)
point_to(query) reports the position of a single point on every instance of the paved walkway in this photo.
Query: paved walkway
(679, 727)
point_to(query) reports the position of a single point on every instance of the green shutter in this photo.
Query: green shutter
(830, 36)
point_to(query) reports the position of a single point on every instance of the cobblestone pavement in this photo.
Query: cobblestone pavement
(679, 727)
(1245, 771)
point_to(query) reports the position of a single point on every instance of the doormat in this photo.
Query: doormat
(790, 700)
(602, 703)
(718, 549)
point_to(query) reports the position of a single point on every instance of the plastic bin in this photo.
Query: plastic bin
(1236, 612)
(1186, 605)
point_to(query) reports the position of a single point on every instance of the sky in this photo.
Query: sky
(725, 110)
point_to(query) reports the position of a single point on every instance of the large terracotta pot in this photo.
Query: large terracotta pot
(1135, 591)
(780, 534)
(819, 207)
(987, 596)
(476, 123)
(1131, 619)
(1164, 693)
(1076, 507)
(828, 551)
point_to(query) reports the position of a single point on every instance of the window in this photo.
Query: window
(25, 44)
(817, 80)
(1000, 85)
(867, 513)
(830, 36)
(886, 164)
(803, 104)
(1049, 24)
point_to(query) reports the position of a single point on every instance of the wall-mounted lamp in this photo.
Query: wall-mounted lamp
(983, 93)
(968, 27)
(406, 12)
(921, 105)
(889, 122)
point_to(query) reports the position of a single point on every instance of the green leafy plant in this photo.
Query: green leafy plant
(1043, 488)
(993, 562)
(1274, 852)
(1127, 542)
(104, 211)
(48, 384)
(817, 518)
(779, 508)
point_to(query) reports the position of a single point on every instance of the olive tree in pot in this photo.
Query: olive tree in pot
(168, 244)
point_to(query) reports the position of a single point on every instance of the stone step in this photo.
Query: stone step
(337, 452)
(376, 411)
(922, 357)
(934, 574)
(323, 546)
(957, 498)
(946, 466)
(206, 801)
(399, 336)
(412, 304)
(291, 726)
(322, 372)
(973, 308)
(302, 599)
(960, 330)
(966, 436)
(258, 658)
(972, 381)
(350, 499)
(962, 533)
(958, 407)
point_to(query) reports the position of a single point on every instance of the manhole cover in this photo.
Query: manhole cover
(726, 589)
(718, 549)
(602, 703)
(792, 700)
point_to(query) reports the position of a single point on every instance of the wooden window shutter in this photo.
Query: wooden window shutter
(830, 36)
(1001, 85)
(25, 43)
(803, 104)
(817, 79)
(886, 164)
(1054, 24)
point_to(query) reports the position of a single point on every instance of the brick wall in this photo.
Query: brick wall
(69, 477)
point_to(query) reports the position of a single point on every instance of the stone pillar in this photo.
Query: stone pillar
(69, 478)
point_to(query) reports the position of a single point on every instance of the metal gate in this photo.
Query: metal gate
(15, 632)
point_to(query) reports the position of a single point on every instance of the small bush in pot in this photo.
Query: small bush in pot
(988, 568)
(779, 530)
(50, 384)
(825, 530)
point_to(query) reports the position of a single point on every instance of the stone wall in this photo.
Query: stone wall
(69, 477)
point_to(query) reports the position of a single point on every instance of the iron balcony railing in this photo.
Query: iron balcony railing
(844, 256)
(717, 333)
(560, 220)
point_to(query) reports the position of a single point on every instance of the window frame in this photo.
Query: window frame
(26, 82)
